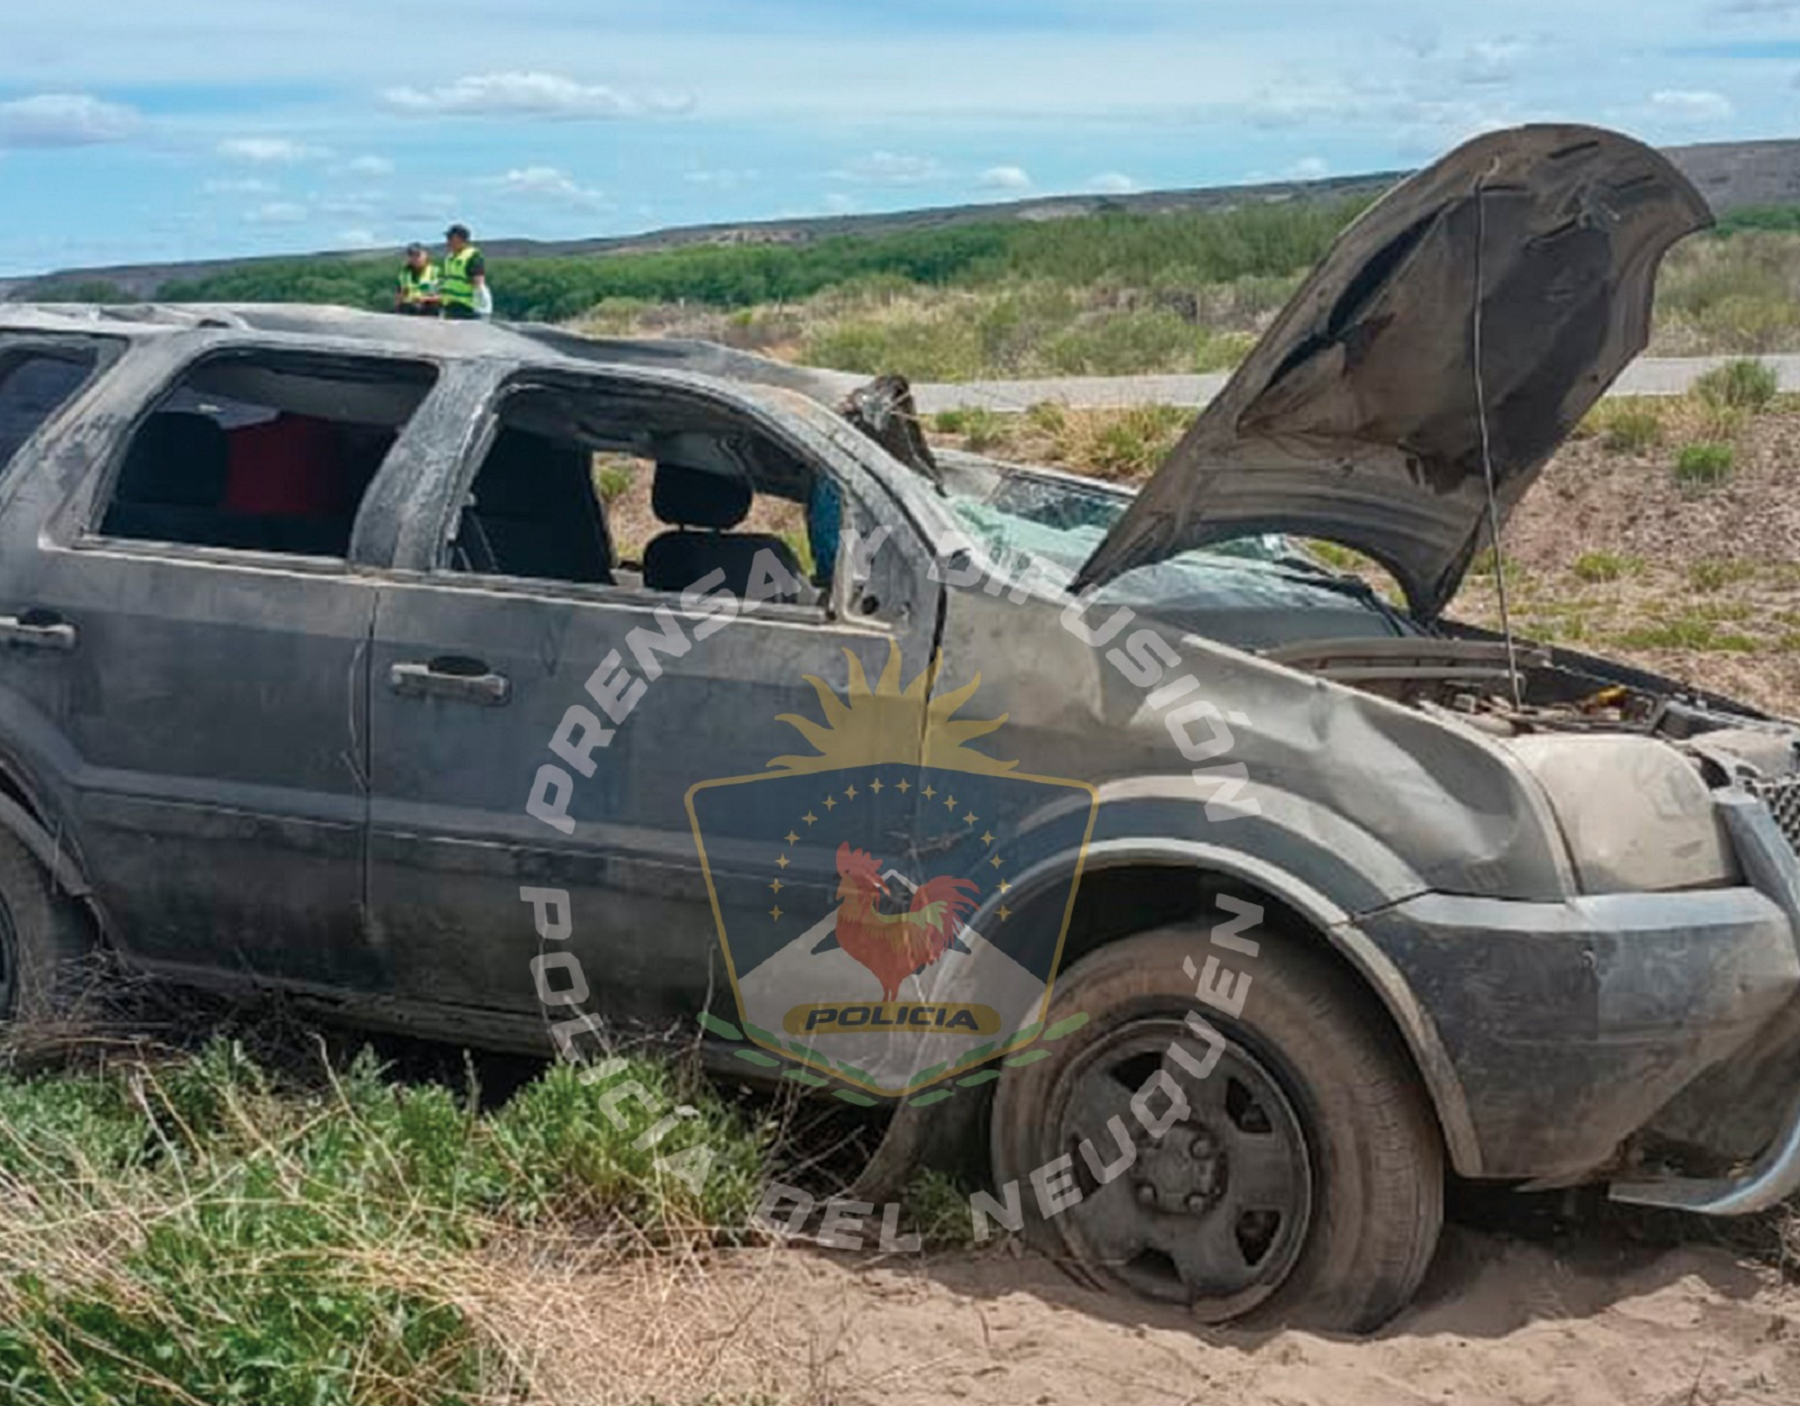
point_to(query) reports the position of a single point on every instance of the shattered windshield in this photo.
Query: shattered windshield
(1028, 522)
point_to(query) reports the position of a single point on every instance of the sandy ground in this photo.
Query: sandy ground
(1500, 1321)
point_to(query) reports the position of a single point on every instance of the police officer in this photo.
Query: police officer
(462, 279)
(417, 293)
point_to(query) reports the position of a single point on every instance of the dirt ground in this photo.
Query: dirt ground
(1717, 568)
(1501, 1321)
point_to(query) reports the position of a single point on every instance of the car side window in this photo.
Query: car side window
(575, 490)
(35, 382)
(262, 452)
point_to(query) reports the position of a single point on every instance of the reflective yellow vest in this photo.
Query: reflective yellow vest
(417, 284)
(454, 285)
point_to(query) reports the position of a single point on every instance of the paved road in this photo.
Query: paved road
(1648, 375)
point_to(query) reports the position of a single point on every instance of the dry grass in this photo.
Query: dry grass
(191, 1228)
(1010, 329)
(1124, 445)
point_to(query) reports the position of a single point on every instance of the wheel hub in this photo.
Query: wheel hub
(1185, 1171)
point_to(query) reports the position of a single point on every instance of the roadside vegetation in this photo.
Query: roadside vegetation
(208, 1228)
(1106, 294)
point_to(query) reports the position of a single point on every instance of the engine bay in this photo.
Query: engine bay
(1480, 681)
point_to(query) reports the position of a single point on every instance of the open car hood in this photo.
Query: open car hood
(1357, 416)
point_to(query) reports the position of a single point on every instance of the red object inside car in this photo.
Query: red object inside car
(291, 466)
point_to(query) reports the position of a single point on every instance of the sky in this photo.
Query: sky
(161, 130)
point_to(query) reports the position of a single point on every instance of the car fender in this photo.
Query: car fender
(1291, 851)
(59, 861)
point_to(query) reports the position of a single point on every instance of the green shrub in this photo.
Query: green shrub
(1694, 631)
(1627, 427)
(1339, 558)
(207, 1231)
(1606, 566)
(1136, 441)
(921, 347)
(1123, 344)
(613, 482)
(1703, 465)
(1047, 417)
(1484, 562)
(981, 429)
(1711, 576)
(1742, 384)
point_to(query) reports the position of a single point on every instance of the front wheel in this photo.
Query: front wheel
(1299, 1177)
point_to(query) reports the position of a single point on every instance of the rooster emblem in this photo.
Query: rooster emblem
(894, 946)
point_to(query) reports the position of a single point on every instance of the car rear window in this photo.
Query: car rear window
(34, 384)
(264, 452)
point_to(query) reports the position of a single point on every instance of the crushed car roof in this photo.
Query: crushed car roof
(518, 341)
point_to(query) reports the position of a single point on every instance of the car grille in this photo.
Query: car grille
(1783, 800)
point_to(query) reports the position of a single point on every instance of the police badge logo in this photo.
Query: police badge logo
(892, 909)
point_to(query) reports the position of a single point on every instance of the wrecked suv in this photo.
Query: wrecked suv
(297, 606)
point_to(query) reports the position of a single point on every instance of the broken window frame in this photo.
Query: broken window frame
(90, 515)
(705, 407)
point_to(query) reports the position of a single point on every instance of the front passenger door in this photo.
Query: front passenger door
(475, 673)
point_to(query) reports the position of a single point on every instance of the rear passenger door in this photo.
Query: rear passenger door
(202, 646)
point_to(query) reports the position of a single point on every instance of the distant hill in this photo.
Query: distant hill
(1732, 175)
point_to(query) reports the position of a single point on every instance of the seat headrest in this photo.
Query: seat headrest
(178, 459)
(684, 497)
(529, 476)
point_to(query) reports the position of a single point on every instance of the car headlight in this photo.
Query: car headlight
(1636, 814)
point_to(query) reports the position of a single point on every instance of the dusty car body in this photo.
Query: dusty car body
(1558, 896)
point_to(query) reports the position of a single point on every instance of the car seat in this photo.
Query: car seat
(702, 508)
(172, 485)
(535, 513)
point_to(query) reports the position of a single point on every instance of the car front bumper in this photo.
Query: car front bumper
(1569, 1025)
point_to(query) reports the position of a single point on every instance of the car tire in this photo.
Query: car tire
(44, 940)
(1334, 1213)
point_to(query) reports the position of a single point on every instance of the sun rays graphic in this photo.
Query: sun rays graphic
(889, 723)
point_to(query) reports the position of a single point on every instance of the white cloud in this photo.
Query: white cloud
(540, 95)
(248, 185)
(1309, 168)
(367, 166)
(269, 151)
(1691, 105)
(1112, 183)
(721, 180)
(1005, 178)
(888, 168)
(277, 212)
(837, 203)
(353, 208)
(358, 238)
(65, 119)
(1489, 62)
(549, 184)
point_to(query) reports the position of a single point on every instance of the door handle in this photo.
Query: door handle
(37, 629)
(464, 680)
